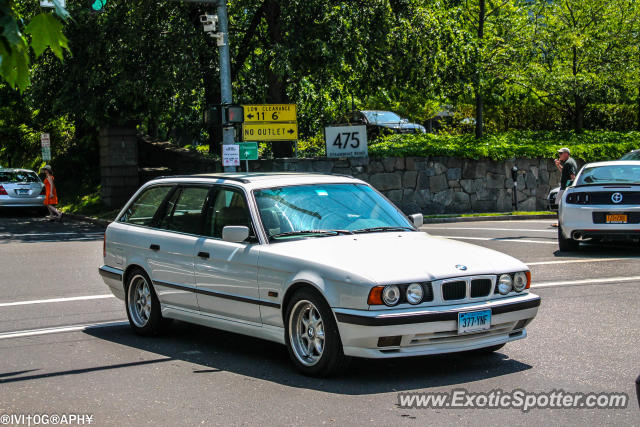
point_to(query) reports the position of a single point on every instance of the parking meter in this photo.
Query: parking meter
(514, 177)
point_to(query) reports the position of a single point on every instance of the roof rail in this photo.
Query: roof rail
(229, 178)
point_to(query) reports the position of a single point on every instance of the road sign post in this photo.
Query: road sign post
(248, 151)
(270, 122)
(230, 155)
(45, 141)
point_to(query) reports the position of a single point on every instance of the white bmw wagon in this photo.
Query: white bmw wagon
(323, 264)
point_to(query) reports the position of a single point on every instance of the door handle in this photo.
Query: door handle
(203, 255)
(154, 247)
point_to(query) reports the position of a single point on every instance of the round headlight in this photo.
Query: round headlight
(391, 294)
(414, 293)
(505, 284)
(519, 281)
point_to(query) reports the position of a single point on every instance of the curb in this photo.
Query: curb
(83, 218)
(488, 218)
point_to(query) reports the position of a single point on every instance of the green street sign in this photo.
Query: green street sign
(248, 150)
(97, 5)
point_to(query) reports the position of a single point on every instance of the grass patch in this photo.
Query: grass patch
(88, 204)
(489, 214)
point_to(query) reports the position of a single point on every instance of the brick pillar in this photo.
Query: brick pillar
(118, 165)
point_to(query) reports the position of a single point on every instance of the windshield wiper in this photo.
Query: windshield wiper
(311, 233)
(375, 229)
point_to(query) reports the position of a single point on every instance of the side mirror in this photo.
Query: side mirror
(418, 219)
(235, 233)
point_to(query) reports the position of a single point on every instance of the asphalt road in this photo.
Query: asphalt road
(584, 339)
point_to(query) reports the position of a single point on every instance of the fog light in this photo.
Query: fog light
(391, 294)
(505, 284)
(415, 293)
(389, 341)
(519, 281)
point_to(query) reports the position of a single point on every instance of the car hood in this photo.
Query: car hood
(395, 257)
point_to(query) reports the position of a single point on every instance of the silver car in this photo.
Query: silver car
(20, 188)
(324, 264)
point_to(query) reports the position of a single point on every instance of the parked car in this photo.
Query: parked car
(603, 203)
(551, 197)
(323, 264)
(20, 188)
(385, 122)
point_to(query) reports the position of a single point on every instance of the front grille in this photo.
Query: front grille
(454, 290)
(480, 288)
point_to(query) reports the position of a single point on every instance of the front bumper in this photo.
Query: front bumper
(112, 277)
(433, 330)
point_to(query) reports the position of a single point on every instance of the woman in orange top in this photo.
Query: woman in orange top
(51, 195)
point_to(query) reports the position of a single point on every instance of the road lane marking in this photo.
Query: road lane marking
(59, 329)
(573, 261)
(77, 233)
(52, 300)
(490, 229)
(496, 239)
(595, 281)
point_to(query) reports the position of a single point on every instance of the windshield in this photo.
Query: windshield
(618, 174)
(11, 177)
(633, 155)
(382, 116)
(287, 211)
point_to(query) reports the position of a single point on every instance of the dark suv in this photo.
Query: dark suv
(380, 123)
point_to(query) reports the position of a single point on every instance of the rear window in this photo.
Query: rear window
(7, 177)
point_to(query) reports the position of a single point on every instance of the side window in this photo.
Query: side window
(229, 207)
(141, 211)
(183, 212)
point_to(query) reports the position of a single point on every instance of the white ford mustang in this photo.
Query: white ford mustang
(321, 263)
(603, 203)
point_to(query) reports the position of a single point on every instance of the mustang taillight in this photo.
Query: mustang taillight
(579, 198)
(3, 192)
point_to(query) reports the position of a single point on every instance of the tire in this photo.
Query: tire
(566, 245)
(315, 350)
(143, 307)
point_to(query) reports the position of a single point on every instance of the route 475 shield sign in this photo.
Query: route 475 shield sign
(346, 141)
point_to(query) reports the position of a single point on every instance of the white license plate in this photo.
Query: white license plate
(474, 321)
(21, 191)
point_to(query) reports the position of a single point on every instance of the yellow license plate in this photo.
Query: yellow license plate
(616, 219)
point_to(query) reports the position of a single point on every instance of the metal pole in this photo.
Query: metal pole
(228, 132)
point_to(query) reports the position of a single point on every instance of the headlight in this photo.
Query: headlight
(391, 294)
(520, 281)
(505, 284)
(415, 293)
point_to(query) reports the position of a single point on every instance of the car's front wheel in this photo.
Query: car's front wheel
(312, 335)
(143, 307)
(566, 245)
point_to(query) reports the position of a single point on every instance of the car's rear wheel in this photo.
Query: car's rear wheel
(143, 307)
(566, 245)
(312, 336)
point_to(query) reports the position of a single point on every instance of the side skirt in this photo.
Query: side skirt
(257, 330)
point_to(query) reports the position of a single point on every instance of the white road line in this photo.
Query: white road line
(574, 261)
(497, 239)
(586, 282)
(491, 229)
(77, 233)
(59, 329)
(51, 300)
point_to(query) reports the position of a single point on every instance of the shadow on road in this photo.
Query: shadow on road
(31, 226)
(603, 250)
(217, 351)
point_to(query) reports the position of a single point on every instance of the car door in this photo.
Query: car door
(172, 245)
(226, 272)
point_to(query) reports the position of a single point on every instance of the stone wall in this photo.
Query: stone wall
(430, 185)
(119, 175)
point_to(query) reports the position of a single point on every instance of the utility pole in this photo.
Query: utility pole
(228, 132)
(222, 40)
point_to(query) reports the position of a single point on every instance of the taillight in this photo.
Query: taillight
(104, 245)
(3, 192)
(43, 191)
